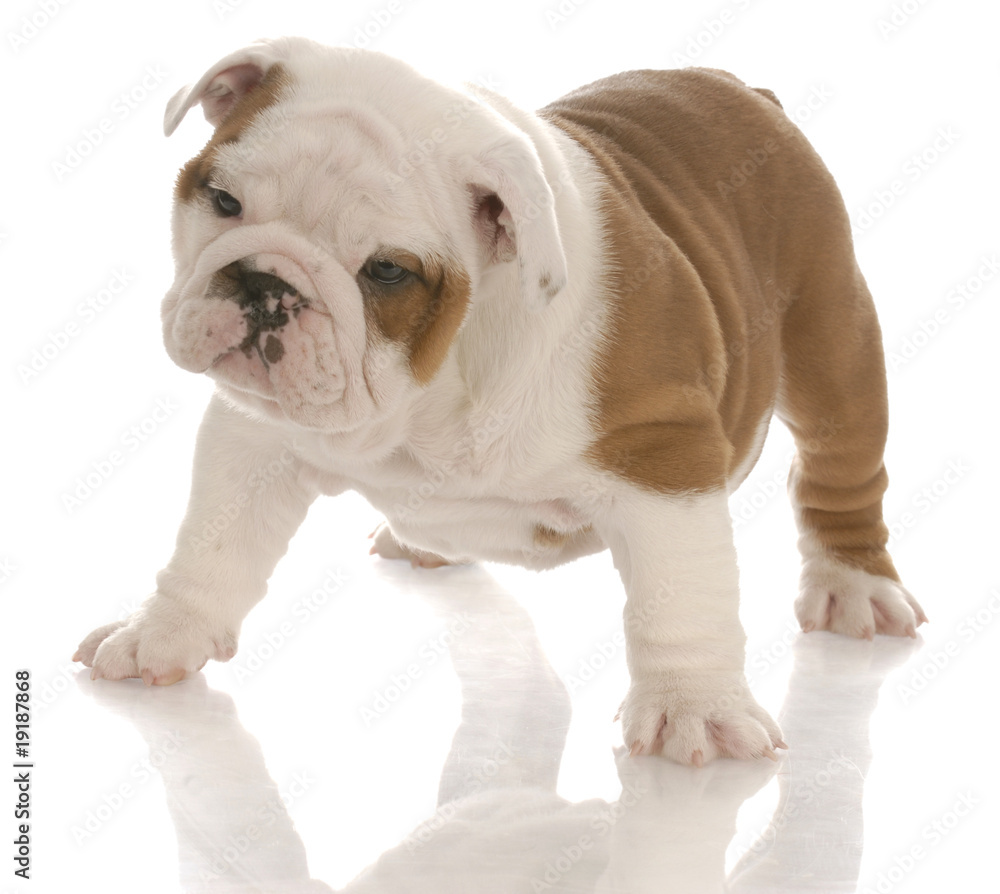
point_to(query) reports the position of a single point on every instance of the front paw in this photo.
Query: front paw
(841, 599)
(161, 643)
(694, 718)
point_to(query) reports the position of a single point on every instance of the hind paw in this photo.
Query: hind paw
(842, 599)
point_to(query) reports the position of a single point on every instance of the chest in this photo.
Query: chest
(489, 485)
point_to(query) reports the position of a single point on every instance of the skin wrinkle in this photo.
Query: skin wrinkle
(368, 384)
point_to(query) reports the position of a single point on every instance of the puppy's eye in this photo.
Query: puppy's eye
(386, 272)
(225, 205)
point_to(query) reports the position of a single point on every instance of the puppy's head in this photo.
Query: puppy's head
(331, 236)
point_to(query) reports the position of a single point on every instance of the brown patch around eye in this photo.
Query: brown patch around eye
(423, 312)
(194, 176)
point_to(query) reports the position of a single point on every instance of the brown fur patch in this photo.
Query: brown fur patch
(423, 312)
(734, 291)
(195, 174)
(544, 536)
(691, 322)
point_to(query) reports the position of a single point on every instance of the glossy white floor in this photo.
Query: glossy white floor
(390, 729)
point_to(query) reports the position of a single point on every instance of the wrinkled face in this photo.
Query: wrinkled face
(320, 278)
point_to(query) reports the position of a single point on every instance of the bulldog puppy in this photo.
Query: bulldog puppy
(523, 338)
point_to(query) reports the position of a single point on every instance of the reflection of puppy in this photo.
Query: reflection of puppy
(524, 338)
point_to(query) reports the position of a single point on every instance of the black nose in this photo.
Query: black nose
(258, 287)
(265, 298)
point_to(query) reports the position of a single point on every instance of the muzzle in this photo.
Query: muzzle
(267, 302)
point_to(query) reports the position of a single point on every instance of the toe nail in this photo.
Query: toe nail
(781, 744)
(698, 759)
(147, 677)
(808, 626)
(770, 755)
(76, 656)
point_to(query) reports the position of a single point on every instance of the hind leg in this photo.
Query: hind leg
(833, 399)
(388, 547)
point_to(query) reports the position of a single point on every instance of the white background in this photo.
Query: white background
(900, 99)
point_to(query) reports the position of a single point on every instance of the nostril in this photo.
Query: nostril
(232, 271)
(264, 288)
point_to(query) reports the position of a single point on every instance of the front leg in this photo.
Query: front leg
(689, 699)
(248, 497)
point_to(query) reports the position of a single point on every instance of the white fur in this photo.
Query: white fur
(684, 642)
(249, 487)
(836, 597)
(467, 467)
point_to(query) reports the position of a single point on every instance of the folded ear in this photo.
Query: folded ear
(224, 84)
(513, 211)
